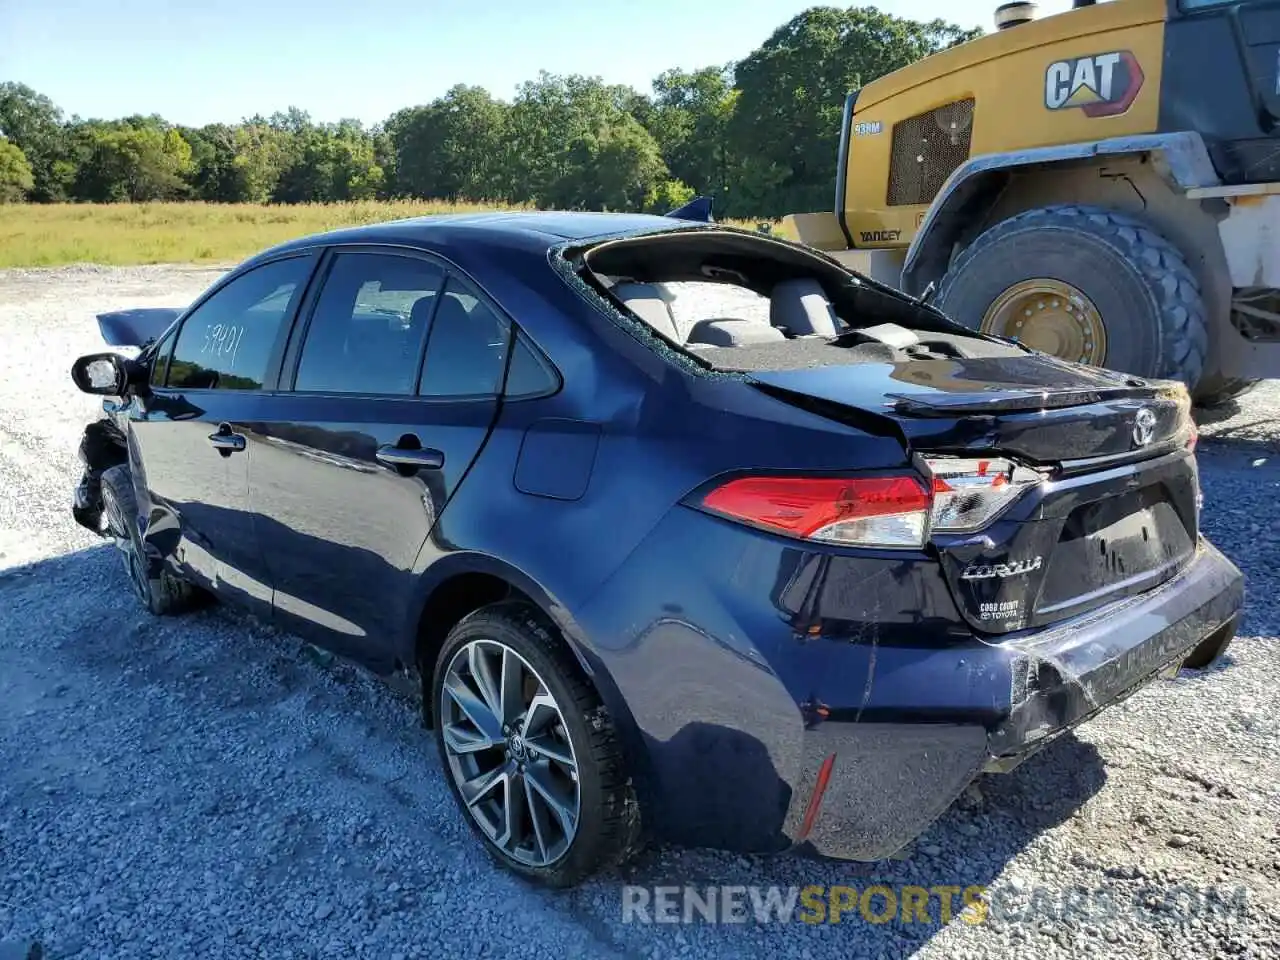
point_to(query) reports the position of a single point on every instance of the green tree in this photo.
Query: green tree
(786, 124)
(454, 148)
(690, 121)
(135, 159)
(667, 195)
(15, 173)
(328, 164)
(612, 167)
(260, 155)
(564, 129)
(32, 122)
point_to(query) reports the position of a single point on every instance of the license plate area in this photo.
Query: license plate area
(1119, 545)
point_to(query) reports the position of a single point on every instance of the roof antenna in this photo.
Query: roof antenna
(698, 209)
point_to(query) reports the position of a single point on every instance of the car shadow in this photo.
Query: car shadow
(1255, 437)
(966, 849)
(104, 633)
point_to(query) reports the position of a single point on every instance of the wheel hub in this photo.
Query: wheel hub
(517, 749)
(1051, 316)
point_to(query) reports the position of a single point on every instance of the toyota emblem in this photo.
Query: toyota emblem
(1144, 426)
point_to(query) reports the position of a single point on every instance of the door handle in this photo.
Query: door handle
(225, 441)
(415, 459)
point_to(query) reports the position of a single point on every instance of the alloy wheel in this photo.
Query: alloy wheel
(509, 752)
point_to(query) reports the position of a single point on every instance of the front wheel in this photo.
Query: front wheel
(1086, 284)
(531, 755)
(160, 592)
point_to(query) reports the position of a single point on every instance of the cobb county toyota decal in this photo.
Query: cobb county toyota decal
(1101, 85)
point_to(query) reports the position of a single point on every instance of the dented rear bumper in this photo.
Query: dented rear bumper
(873, 778)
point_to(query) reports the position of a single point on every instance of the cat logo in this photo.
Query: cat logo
(1101, 85)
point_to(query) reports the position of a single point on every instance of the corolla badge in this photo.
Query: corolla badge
(999, 571)
(1144, 426)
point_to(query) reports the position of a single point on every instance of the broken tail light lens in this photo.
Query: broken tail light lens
(970, 493)
(858, 511)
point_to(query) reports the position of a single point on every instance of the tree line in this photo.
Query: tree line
(760, 135)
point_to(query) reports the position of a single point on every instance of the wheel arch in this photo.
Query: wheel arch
(460, 583)
(963, 206)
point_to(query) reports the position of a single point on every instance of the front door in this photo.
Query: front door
(358, 460)
(191, 451)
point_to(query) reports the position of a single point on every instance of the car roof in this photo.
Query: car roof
(533, 231)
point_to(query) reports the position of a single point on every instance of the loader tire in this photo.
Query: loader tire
(1222, 393)
(1135, 305)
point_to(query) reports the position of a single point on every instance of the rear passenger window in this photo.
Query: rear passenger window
(367, 330)
(226, 342)
(466, 349)
(530, 375)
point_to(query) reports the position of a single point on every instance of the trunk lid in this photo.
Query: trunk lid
(1035, 407)
(1116, 510)
(136, 327)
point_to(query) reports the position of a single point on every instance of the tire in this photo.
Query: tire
(1223, 392)
(1145, 293)
(1210, 649)
(162, 593)
(606, 828)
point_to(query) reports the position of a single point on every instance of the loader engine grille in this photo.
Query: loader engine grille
(926, 149)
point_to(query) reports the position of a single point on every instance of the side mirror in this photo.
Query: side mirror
(108, 374)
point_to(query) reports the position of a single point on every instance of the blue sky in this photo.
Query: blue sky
(200, 61)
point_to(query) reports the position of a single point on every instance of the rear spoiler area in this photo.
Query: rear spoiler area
(136, 327)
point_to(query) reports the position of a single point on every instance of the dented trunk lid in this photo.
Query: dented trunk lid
(1034, 406)
(1116, 510)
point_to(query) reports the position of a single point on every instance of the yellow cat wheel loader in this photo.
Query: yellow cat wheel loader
(1102, 184)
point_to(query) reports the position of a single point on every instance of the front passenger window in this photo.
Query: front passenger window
(226, 343)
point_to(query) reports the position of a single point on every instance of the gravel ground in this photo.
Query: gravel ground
(205, 787)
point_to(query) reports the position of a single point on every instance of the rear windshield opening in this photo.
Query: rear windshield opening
(738, 301)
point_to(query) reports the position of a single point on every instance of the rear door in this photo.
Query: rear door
(190, 450)
(390, 390)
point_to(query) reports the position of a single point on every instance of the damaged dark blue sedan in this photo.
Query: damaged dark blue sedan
(682, 532)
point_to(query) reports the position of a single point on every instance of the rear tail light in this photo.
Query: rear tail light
(861, 511)
(897, 511)
(970, 493)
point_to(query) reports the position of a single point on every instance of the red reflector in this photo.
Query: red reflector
(801, 505)
(815, 799)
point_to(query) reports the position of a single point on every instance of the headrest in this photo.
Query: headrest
(733, 333)
(801, 307)
(646, 301)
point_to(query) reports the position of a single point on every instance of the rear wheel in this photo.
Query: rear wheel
(1210, 648)
(1085, 284)
(161, 593)
(530, 753)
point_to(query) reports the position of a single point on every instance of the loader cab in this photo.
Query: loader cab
(1222, 79)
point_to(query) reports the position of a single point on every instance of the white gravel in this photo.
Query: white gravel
(204, 787)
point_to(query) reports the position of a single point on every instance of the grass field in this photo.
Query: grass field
(48, 235)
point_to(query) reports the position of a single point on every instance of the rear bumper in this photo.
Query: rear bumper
(894, 771)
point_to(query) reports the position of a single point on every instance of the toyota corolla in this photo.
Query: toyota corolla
(682, 532)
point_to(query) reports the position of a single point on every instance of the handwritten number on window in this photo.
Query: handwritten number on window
(223, 340)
